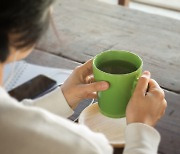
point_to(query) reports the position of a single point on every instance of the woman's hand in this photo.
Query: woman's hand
(80, 85)
(148, 103)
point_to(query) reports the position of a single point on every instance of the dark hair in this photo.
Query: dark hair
(27, 20)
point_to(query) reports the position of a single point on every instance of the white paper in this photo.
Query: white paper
(24, 71)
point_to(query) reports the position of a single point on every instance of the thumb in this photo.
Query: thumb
(95, 86)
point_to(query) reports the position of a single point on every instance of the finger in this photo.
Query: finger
(155, 88)
(142, 84)
(90, 79)
(86, 68)
(94, 87)
(153, 84)
(163, 108)
(164, 105)
(92, 95)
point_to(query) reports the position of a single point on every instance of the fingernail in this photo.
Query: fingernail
(146, 73)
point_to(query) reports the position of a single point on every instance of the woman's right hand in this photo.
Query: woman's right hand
(148, 104)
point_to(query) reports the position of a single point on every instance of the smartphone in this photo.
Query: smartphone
(33, 88)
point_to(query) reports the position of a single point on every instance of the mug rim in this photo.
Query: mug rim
(126, 51)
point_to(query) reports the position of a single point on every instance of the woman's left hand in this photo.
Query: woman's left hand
(81, 85)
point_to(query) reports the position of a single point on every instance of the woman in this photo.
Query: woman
(40, 127)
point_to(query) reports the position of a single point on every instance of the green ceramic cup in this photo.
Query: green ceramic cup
(113, 102)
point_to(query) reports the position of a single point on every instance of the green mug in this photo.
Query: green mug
(121, 69)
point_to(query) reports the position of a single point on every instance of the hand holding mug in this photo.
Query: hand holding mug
(147, 105)
(78, 86)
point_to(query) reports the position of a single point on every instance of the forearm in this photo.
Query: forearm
(53, 102)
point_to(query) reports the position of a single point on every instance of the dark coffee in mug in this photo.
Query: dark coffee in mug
(117, 67)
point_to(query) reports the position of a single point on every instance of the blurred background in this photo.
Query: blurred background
(168, 8)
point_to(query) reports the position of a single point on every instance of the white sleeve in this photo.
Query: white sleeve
(141, 139)
(54, 102)
(32, 130)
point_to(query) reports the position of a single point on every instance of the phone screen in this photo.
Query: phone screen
(33, 88)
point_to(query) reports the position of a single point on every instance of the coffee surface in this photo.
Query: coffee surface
(117, 67)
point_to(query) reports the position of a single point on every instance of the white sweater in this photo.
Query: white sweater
(29, 129)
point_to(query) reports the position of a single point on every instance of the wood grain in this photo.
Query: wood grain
(112, 128)
(46, 59)
(89, 27)
(169, 126)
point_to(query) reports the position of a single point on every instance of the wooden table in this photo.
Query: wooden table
(87, 27)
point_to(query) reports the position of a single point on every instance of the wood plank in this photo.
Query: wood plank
(169, 126)
(88, 27)
(46, 59)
